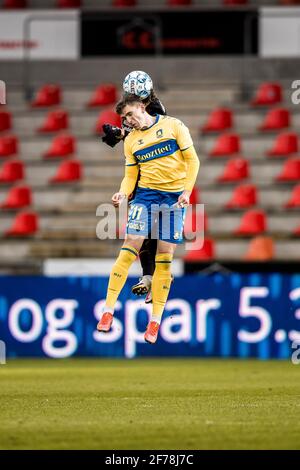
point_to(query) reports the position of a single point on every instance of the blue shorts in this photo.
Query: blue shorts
(153, 214)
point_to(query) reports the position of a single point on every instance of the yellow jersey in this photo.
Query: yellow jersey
(158, 151)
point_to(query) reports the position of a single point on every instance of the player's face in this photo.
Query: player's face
(134, 115)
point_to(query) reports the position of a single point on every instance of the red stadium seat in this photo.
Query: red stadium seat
(15, 4)
(195, 196)
(296, 231)
(284, 144)
(275, 119)
(124, 3)
(174, 3)
(103, 95)
(61, 146)
(294, 200)
(219, 120)
(252, 222)
(290, 171)
(289, 2)
(243, 196)
(68, 172)
(207, 252)
(48, 95)
(260, 249)
(68, 3)
(11, 172)
(236, 169)
(55, 121)
(9, 145)
(195, 221)
(226, 144)
(268, 94)
(235, 2)
(24, 224)
(5, 121)
(107, 117)
(17, 198)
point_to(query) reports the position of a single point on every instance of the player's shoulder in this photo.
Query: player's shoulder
(130, 137)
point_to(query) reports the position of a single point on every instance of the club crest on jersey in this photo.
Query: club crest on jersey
(140, 142)
(159, 133)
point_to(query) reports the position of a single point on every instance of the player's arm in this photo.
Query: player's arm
(192, 167)
(113, 134)
(128, 184)
(190, 156)
(130, 178)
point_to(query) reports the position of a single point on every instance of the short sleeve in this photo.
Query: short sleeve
(130, 159)
(183, 136)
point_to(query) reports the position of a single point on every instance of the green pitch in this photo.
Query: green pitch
(149, 404)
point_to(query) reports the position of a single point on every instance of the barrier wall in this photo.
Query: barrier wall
(239, 315)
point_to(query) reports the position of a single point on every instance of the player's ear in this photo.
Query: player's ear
(143, 107)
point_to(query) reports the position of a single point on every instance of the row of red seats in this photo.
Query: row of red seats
(59, 120)
(67, 172)
(247, 195)
(252, 222)
(226, 144)
(221, 119)
(235, 170)
(238, 169)
(17, 4)
(260, 248)
(284, 144)
(267, 94)
(51, 95)
(115, 3)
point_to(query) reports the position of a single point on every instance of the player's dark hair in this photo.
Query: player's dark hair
(127, 99)
(150, 98)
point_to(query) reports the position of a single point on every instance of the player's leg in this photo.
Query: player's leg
(117, 279)
(147, 258)
(161, 282)
(170, 234)
(137, 230)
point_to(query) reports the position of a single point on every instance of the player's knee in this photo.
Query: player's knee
(134, 241)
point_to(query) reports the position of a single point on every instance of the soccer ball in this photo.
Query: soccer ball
(138, 83)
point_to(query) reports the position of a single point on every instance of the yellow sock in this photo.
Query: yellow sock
(119, 274)
(161, 284)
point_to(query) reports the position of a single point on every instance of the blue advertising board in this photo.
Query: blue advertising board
(217, 315)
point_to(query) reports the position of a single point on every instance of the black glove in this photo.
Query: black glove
(113, 135)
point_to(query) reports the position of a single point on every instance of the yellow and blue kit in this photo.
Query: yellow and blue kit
(164, 158)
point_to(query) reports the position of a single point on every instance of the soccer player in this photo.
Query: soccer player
(161, 149)
(140, 84)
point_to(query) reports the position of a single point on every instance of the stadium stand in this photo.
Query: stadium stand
(65, 196)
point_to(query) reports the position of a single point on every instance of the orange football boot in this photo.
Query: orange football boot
(151, 332)
(105, 323)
